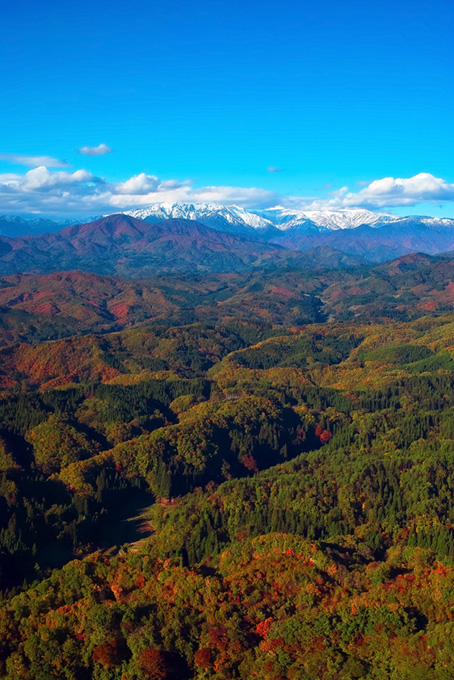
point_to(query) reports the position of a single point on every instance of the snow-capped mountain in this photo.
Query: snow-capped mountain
(221, 217)
(287, 218)
(212, 237)
(429, 221)
(241, 220)
(271, 224)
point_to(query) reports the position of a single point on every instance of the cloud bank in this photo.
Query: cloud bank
(48, 191)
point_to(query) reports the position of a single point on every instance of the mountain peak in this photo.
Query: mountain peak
(240, 220)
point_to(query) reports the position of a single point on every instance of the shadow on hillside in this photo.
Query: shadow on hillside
(127, 524)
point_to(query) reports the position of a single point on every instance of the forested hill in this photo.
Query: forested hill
(292, 493)
(228, 475)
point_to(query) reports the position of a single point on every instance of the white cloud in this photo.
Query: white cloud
(99, 150)
(42, 179)
(391, 192)
(272, 168)
(380, 194)
(33, 161)
(139, 185)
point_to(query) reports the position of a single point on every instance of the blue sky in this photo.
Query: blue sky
(199, 100)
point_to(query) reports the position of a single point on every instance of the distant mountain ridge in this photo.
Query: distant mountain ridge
(14, 225)
(235, 218)
(223, 239)
(267, 223)
(123, 245)
(241, 220)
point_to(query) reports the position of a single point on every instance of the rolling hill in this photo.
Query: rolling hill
(35, 307)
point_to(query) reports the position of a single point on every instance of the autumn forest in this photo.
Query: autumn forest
(228, 475)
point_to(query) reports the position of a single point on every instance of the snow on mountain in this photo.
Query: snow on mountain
(286, 218)
(216, 216)
(428, 221)
(240, 219)
(268, 224)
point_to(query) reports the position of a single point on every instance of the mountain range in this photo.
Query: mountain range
(233, 218)
(236, 219)
(185, 238)
(124, 245)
